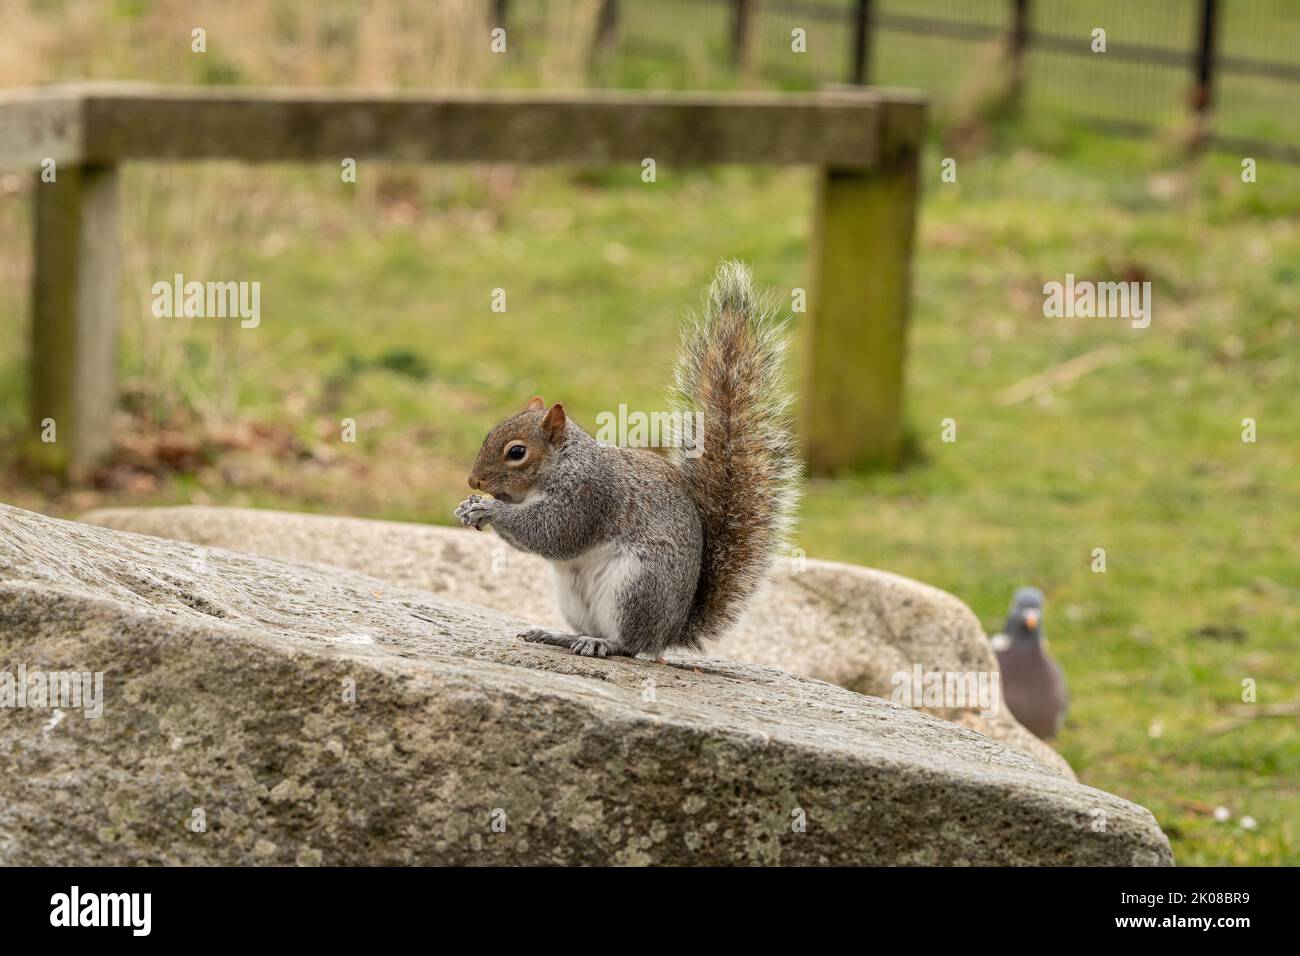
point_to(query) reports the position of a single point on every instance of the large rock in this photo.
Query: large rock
(852, 626)
(315, 715)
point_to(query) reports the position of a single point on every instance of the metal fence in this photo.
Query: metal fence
(1231, 67)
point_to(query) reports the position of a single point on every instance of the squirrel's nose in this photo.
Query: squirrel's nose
(476, 483)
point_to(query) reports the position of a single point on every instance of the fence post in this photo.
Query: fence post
(861, 67)
(744, 17)
(1203, 90)
(1017, 46)
(606, 38)
(854, 336)
(77, 275)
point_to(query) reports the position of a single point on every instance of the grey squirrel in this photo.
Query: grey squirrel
(652, 552)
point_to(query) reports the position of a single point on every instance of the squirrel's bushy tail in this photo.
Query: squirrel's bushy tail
(742, 471)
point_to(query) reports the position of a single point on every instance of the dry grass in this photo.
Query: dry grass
(373, 43)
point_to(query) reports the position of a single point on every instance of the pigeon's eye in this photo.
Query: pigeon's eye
(516, 452)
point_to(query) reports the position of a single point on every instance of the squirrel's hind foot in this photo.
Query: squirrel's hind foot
(593, 647)
(540, 635)
(578, 643)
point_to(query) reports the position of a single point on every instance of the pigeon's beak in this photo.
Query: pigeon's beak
(1031, 619)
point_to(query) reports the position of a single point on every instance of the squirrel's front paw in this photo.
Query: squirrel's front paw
(475, 511)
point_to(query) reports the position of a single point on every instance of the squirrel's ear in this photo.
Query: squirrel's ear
(535, 404)
(553, 423)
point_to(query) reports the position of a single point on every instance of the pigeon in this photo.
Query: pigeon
(1032, 682)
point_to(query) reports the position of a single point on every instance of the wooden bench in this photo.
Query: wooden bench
(865, 142)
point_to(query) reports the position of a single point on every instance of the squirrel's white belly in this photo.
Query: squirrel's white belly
(588, 588)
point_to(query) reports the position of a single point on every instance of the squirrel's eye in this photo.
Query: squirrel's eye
(516, 452)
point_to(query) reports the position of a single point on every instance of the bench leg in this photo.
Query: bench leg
(75, 303)
(850, 407)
